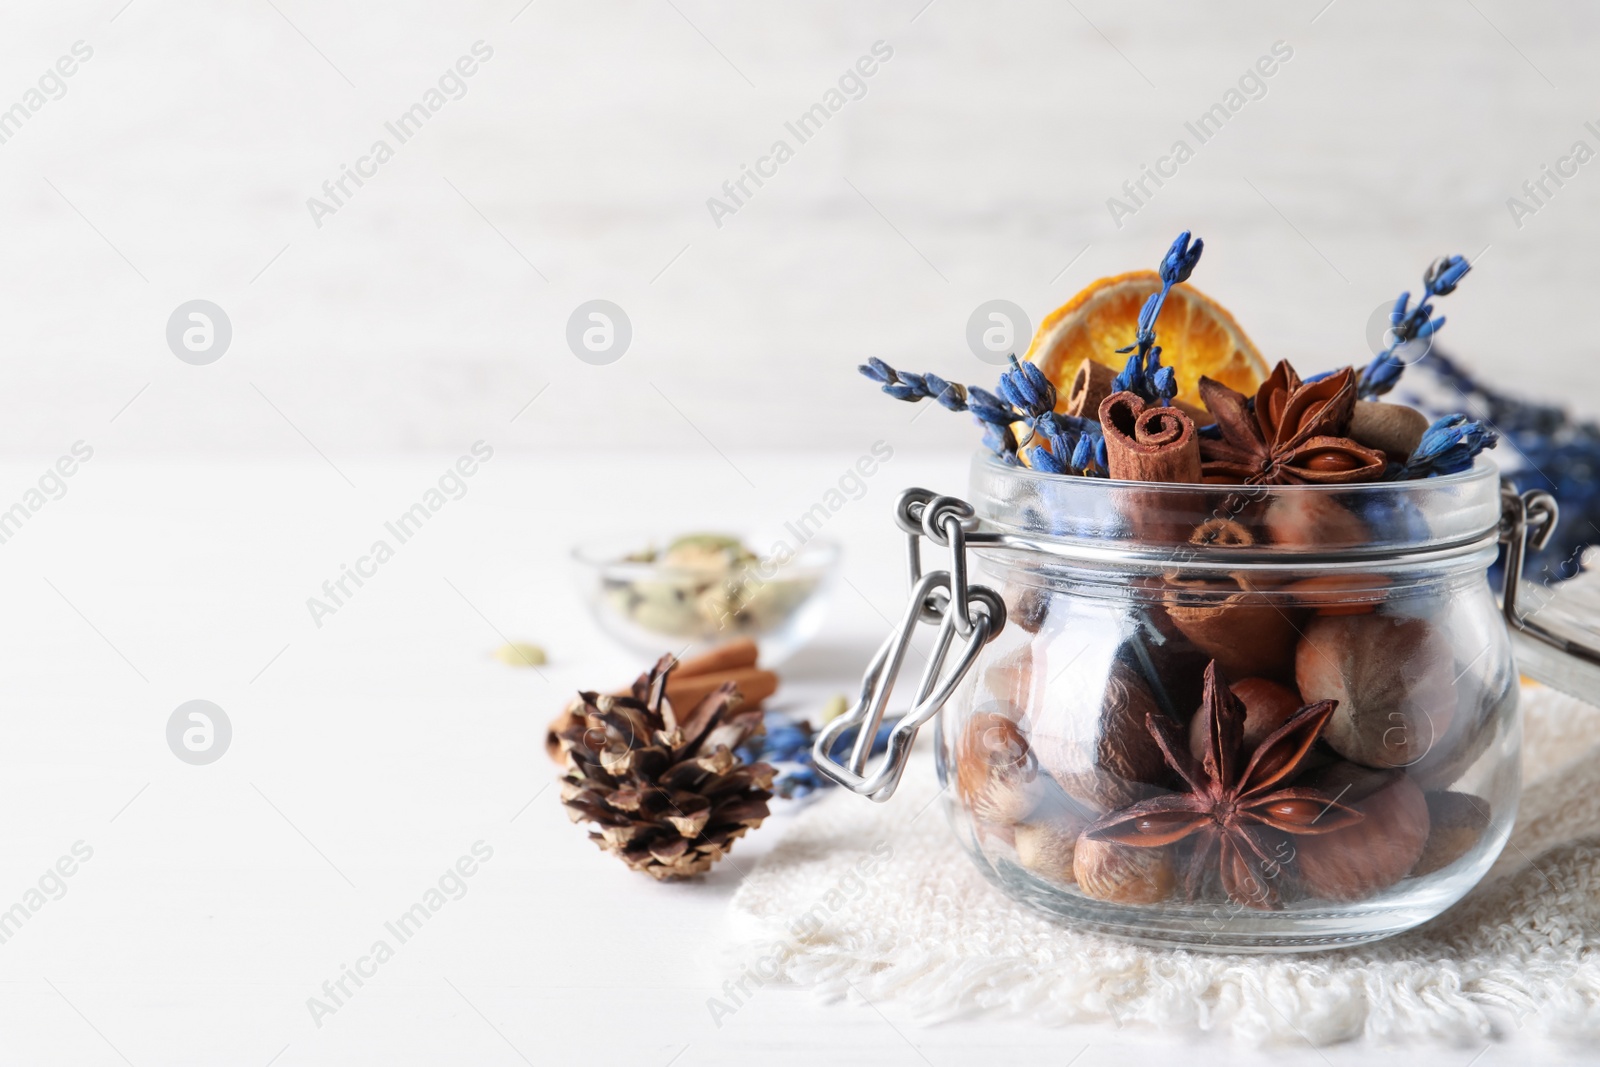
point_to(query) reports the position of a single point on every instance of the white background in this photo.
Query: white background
(368, 353)
(977, 166)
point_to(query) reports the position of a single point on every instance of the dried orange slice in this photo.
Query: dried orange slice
(1196, 334)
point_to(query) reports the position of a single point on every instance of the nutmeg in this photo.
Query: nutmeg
(996, 772)
(1267, 706)
(1309, 518)
(1394, 428)
(1369, 856)
(1456, 822)
(1394, 679)
(1011, 682)
(1123, 874)
(1339, 594)
(1028, 606)
(1485, 706)
(1091, 736)
(1046, 847)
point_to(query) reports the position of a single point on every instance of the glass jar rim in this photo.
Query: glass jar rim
(1099, 519)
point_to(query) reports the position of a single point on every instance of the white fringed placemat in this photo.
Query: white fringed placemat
(882, 899)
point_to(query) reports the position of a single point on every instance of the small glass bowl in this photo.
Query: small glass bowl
(651, 607)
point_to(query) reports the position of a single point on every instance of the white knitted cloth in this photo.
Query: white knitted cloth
(925, 929)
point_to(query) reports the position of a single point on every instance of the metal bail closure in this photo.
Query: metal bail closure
(1530, 519)
(975, 613)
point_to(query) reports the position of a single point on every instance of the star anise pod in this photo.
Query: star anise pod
(1235, 810)
(1294, 434)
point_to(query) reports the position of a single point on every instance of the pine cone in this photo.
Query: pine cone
(669, 793)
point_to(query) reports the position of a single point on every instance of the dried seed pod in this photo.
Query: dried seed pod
(996, 772)
(1123, 874)
(1394, 679)
(1359, 861)
(1092, 737)
(1456, 822)
(1267, 706)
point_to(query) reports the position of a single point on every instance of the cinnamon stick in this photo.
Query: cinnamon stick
(734, 654)
(755, 685)
(1090, 386)
(1197, 415)
(689, 683)
(1148, 444)
(1248, 634)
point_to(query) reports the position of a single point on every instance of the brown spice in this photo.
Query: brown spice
(1361, 860)
(1267, 706)
(1456, 822)
(1293, 433)
(1248, 634)
(1394, 680)
(1238, 805)
(1393, 429)
(1106, 870)
(1100, 753)
(1090, 386)
(996, 772)
(1148, 444)
(1046, 847)
(1311, 519)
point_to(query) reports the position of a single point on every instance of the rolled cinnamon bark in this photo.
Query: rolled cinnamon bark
(1197, 415)
(690, 682)
(1090, 386)
(755, 685)
(734, 654)
(1148, 444)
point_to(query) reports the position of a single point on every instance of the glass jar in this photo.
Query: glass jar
(1224, 717)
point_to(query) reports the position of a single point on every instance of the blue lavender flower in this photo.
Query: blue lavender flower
(1410, 324)
(1552, 450)
(1088, 450)
(1180, 260)
(995, 414)
(1027, 398)
(1041, 460)
(1445, 274)
(787, 742)
(1448, 447)
(1025, 387)
(1142, 376)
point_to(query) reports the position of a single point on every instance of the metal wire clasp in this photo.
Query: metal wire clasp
(973, 612)
(1530, 519)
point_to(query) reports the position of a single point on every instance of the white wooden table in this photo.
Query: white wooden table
(370, 755)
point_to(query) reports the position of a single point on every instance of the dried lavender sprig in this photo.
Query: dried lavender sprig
(1408, 324)
(1150, 381)
(1554, 451)
(1448, 446)
(787, 741)
(956, 397)
(1144, 375)
(1075, 446)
